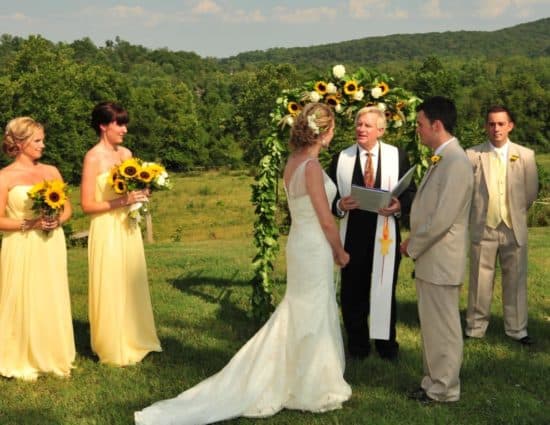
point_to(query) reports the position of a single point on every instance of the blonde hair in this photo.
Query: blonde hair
(314, 120)
(381, 119)
(17, 131)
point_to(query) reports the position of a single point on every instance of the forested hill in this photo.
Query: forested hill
(188, 111)
(531, 39)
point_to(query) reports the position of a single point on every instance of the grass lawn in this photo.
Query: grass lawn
(199, 273)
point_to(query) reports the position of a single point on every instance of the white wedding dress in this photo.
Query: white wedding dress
(296, 360)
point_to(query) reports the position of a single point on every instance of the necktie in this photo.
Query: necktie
(368, 177)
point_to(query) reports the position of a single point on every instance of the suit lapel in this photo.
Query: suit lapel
(512, 167)
(357, 173)
(485, 152)
(425, 178)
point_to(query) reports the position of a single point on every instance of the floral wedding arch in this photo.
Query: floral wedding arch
(346, 93)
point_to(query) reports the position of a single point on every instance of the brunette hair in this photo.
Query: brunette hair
(439, 108)
(107, 112)
(17, 131)
(499, 108)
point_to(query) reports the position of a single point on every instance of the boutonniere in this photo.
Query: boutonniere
(514, 158)
(435, 159)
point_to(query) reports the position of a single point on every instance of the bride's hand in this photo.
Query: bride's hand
(341, 258)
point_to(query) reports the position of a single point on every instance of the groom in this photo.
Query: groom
(438, 245)
(368, 281)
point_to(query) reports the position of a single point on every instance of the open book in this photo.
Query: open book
(371, 199)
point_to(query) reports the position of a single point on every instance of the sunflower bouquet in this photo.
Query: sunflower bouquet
(48, 198)
(135, 174)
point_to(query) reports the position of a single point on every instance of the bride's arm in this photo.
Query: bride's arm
(315, 187)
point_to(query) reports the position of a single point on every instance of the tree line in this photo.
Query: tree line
(190, 112)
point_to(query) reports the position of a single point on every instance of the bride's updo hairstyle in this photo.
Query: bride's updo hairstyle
(314, 120)
(17, 131)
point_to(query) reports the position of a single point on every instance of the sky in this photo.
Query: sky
(223, 28)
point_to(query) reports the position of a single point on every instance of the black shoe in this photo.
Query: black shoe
(416, 394)
(358, 354)
(526, 340)
(387, 350)
(390, 355)
(358, 351)
(420, 395)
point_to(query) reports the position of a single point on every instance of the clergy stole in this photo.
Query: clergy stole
(385, 238)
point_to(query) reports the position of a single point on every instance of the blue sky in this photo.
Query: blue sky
(223, 28)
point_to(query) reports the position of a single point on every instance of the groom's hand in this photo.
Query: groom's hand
(403, 248)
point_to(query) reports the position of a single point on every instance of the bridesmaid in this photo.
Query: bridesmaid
(36, 332)
(120, 312)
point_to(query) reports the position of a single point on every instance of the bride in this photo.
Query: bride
(296, 360)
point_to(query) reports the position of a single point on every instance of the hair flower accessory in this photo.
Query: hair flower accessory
(514, 158)
(312, 123)
(435, 159)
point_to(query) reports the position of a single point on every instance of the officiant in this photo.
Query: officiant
(372, 239)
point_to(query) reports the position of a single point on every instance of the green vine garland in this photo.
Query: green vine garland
(346, 94)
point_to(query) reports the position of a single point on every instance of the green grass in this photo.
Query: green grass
(200, 291)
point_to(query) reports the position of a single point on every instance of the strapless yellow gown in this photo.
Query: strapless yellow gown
(121, 317)
(36, 330)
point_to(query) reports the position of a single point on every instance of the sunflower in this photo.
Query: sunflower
(350, 87)
(129, 168)
(145, 175)
(120, 186)
(321, 87)
(36, 189)
(383, 87)
(400, 105)
(155, 169)
(332, 100)
(293, 108)
(57, 185)
(54, 197)
(113, 175)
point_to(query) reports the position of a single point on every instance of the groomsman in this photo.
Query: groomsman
(368, 282)
(505, 186)
(438, 244)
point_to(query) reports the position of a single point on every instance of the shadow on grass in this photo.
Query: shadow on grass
(82, 339)
(31, 416)
(538, 330)
(187, 283)
(229, 312)
(407, 314)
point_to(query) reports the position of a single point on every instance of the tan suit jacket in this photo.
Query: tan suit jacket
(521, 188)
(438, 243)
(439, 219)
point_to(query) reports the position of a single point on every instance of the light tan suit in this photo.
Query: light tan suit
(510, 245)
(438, 244)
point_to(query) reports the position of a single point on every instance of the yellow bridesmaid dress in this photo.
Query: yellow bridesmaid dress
(36, 330)
(121, 317)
